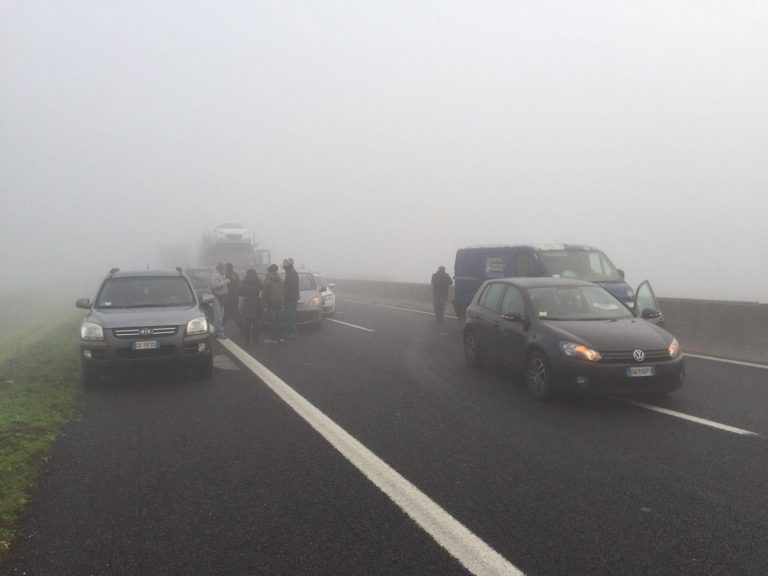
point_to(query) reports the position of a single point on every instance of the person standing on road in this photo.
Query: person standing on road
(441, 282)
(273, 294)
(219, 288)
(291, 298)
(250, 312)
(232, 305)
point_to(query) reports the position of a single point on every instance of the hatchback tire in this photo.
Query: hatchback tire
(472, 351)
(538, 375)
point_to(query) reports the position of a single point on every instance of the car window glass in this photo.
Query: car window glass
(576, 303)
(492, 296)
(513, 302)
(306, 282)
(145, 291)
(645, 298)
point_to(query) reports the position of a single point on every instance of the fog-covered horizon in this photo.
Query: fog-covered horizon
(373, 140)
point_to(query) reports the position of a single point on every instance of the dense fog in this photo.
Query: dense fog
(371, 140)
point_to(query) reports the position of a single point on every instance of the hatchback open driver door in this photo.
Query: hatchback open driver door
(646, 305)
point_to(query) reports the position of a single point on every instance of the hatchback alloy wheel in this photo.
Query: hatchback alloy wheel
(538, 377)
(472, 351)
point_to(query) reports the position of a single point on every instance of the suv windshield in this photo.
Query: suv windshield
(588, 265)
(577, 303)
(145, 291)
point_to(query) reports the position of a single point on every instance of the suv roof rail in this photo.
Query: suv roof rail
(111, 272)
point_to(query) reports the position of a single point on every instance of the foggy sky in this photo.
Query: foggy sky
(371, 139)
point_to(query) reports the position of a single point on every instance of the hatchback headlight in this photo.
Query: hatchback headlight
(674, 348)
(91, 331)
(197, 326)
(579, 351)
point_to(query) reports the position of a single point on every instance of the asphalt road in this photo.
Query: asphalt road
(163, 475)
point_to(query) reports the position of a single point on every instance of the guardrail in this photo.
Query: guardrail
(733, 330)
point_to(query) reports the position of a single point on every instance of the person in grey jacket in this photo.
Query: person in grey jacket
(219, 288)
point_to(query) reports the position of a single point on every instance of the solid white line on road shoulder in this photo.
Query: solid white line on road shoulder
(348, 324)
(737, 362)
(695, 419)
(395, 307)
(474, 554)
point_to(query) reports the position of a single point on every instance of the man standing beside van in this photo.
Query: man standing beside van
(441, 282)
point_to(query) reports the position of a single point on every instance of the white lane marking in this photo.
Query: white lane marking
(474, 554)
(395, 308)
(737, 362)
(695, 419)
(348, 324)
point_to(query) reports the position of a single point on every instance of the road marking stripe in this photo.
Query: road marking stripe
(348, 324)
(696, 419)
(737, 362)
(395, 307)
(474, 554)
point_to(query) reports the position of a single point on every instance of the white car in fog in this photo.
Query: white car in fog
(329, 306)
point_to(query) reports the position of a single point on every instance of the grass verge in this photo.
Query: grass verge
(39, 377)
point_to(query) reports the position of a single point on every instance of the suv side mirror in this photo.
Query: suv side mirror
(324, 289)
(621, 273)
(206, 299)
(84, 303)
(331, 285)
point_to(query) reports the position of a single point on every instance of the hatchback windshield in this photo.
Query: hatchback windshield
(145, 291)
(576, 303)
(588, 265)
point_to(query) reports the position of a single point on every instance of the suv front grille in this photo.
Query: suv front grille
(137, 332)
(627, 358)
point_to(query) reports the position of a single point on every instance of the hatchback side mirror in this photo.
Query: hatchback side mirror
(207, 299)
(649, 313)
(84, 303)
(323, 289)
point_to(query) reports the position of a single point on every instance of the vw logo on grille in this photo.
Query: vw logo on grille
(638, 355)
(148, 331)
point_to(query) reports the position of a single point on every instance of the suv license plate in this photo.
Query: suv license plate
(641, 371)
(145, 345)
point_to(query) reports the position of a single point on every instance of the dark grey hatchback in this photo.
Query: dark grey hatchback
(570, 334)
(144, 317)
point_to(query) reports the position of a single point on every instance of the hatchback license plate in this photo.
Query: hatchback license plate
(641, 371)
(145, 345)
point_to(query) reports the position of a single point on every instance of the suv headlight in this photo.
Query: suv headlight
(91, 331)
(316, 301)
(674, 348)
(579, 351)
(197, 326)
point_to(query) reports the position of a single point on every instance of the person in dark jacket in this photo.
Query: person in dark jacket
(291, 298)
(273, 294)
(250, 309)
(232, 303)
(441, 282)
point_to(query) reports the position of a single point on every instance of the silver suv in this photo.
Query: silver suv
(145, 317)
